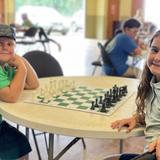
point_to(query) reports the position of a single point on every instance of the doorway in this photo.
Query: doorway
(151, 12)
(56, 17)
(113, 17)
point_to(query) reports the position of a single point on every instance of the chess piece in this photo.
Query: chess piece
(96, 103)
(92, 106)
(103, 108)
(100, 100)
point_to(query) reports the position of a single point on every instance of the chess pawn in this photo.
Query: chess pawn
(100, 100)
(103, 108)
(41, 93)
(96, 103)
(92, 106)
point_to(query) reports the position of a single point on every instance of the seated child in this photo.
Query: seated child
(148, 104)
(16, 74)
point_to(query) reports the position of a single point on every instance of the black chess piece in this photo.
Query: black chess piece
(109, 102)
(100, 100)
(124, 90)
(92, 106)
(103, 108)
(113, 98)
(96, 103)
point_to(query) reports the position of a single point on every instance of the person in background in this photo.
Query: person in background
(16, 74)
(147, 101)
(26, 21)
(121, 47)
(26, 24)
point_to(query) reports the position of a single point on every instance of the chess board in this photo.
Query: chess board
(79, 98)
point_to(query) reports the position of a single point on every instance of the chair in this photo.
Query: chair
(29, 37)
(112, 157)
(46, 65)
(103, 59)
(35, 35)
(96, 64)
(44, 39)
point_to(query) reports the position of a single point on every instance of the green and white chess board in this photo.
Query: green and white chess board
(77, 98)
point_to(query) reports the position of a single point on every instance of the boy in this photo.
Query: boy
(121, 47)
(16, 74)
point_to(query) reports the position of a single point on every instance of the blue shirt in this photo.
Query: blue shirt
(118, 50)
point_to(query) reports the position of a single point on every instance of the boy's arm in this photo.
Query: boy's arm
(31, 79)
(12, 92)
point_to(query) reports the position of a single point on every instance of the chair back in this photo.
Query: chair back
(104, 55)
(106, 60)
(43, 63)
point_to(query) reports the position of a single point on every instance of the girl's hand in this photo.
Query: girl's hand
(129, 122)
(155, 145)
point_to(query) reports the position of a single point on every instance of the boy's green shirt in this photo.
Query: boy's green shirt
(6, 75)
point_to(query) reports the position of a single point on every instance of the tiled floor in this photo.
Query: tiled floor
(75, 58)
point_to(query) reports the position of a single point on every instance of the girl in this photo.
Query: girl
(148, 100)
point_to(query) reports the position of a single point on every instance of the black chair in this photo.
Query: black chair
(37, 35)
(29, 37)
(103, 59)
(46, 65)
(97, 63)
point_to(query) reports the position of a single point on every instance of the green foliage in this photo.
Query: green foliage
(65, 7)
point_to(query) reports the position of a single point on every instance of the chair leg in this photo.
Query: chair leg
(94, 70)
(83, 142)
(36, 144)
(45, 138)
(65, 149)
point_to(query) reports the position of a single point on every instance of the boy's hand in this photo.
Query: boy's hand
(5, 57)
(16, 61)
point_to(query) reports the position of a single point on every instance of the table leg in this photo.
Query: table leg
(121, 146)
(51, 147)
(27, 135)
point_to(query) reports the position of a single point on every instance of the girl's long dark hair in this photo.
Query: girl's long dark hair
(144, 86)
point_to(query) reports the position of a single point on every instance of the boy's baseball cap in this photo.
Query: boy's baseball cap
(7, 31)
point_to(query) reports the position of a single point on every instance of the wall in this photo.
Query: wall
(96, 13)
(101, 18)
(125, 9)
(1, 11)
(9, 11)
(95, 18)
(91, 18)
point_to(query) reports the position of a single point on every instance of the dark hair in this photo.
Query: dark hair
(131, 23)
(144, 86)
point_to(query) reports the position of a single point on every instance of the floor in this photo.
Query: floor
(75, 58)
